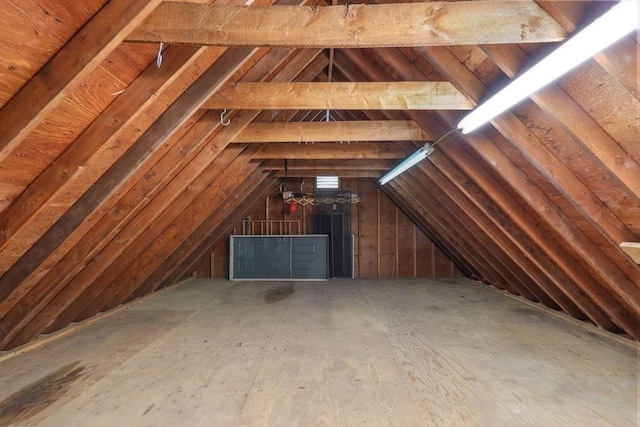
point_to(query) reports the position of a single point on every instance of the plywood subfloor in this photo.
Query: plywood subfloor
(419, 352)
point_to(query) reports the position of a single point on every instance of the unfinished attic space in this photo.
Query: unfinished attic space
(319, 213)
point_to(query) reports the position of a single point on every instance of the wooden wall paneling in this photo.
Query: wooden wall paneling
(470, 221)
(68, 67)
(209, 233)
(375, 73)
(621, 61)
(456, 242)
(426, 239)
(94, 141)
(566, 232)
(79, 218)
(213, 233)
(345, 64)
(387, 232)
(293, 68)
(569, 264)
(425, 256)
(406, 246)
(368, 230)
(463, 244)
(602, 148)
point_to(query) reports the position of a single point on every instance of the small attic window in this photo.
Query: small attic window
(327, 182)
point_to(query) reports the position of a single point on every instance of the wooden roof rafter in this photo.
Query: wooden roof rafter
(68, 68)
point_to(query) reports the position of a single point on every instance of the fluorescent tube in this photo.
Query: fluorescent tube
(416, 157)
(619, 21)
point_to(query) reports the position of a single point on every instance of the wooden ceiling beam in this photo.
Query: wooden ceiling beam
(340, 96)
(332, 164)
(68, 67)
(352, 26)
(332, 131)
(312, 173)
(331, 151)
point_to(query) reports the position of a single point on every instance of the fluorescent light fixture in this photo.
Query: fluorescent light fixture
(416, 157)
(619, 21)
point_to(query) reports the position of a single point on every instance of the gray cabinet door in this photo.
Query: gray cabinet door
(309, 257)
(278, 257)
(261, 258)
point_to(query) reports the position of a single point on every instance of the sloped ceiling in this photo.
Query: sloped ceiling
(112, 175)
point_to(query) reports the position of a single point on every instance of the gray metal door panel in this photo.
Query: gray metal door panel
(261, 258)
(309, 257)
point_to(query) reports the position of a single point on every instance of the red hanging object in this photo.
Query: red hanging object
(293, 207)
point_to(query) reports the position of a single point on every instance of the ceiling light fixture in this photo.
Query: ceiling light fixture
(619, 21)
(416, 157)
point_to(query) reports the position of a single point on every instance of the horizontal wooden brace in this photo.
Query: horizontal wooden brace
(353, 26)
(378, 150)
(367, 130)
(311, 173)
(334, 165)
(340, 96)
